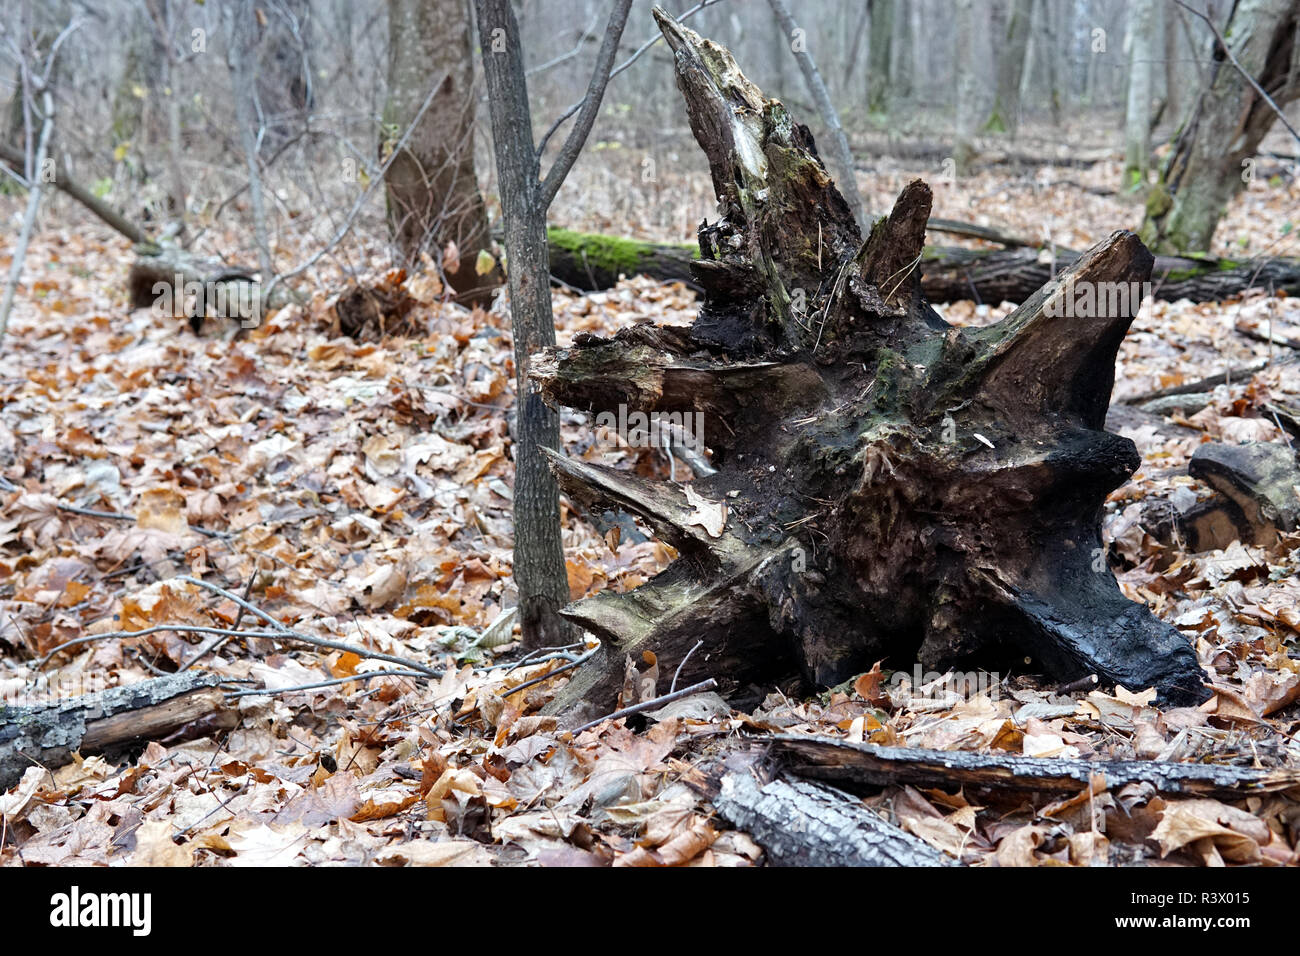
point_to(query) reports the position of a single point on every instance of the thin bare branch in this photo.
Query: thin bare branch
(590, 103)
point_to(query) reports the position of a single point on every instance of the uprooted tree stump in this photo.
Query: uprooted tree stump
(887, 486)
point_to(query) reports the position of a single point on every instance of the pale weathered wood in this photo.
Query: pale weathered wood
(800, 823)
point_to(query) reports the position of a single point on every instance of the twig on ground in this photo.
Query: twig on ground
(118, 516)
(552, 673)
(268, 692)
(678, 673)
(217, 642)
(702, 686)
(118, 635)
(287, 633)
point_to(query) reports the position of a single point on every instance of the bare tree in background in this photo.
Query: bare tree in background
(434, 204)
(839, 143)
(1005, 115)
(241, 43)
(37, 83)
(1261, 62)
(539, 567)
(1137, 122)
(168, 40)
(967, 65)
(879, 52)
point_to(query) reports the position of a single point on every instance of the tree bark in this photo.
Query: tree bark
(539, 568)
(966, 66)
(886, 486)
(800, 823)
(432, 189)
(1205, 168)
(867, 766)
(240, 50)
(1005, 115)
(1137, 117)
(49, 734)
(879, 50)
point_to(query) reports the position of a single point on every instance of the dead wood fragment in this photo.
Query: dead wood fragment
(1262, 479)
(855, 766)
(801, 823)
(49, 734)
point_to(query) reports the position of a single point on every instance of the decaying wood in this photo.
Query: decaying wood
(1261, 479)
(49, 734)
(886, 486)
(800, 823)
(159, 266)
(856, 766)
(1207, 524)
(1013, 275)
(591, 261)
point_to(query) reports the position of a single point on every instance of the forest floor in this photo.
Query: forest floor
(364, 488)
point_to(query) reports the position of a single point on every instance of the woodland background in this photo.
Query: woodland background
(349, 472)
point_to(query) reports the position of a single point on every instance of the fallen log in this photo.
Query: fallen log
(856, 766)
(1013, 275)
(800, 823)
(66, 184)
(1261, 479)
(593, 261)
(887, 486)
(49, 734)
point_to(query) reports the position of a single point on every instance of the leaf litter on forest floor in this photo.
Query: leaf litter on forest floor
(364, 490)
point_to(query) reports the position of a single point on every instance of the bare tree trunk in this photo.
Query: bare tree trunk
(879, 52)
(863, 19)
(35, 182)
(539, 567)
(241, 20)
(903, 56)
(1137, 120)
(1205, 168)
(839, 145)
(139, 77)
(163, 14)
(434, 204)
(1048, 13)
(966, 64)
(281, 63)
(35, 163)
(1005, 115)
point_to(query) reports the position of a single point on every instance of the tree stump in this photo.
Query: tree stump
(887, 486)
